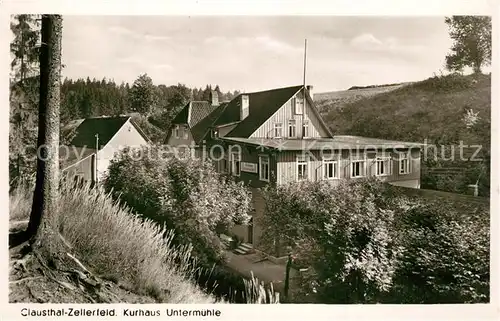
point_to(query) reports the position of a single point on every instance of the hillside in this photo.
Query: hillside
(434, 110)
(338, 99)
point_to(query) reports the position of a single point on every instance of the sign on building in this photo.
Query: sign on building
(249, 167)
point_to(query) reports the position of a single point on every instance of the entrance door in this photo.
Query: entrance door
(250, 231)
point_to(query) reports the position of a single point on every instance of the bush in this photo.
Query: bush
(186, 195)
(366, 243)
(445, 257)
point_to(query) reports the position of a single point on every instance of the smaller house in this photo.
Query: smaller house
(191, 125)
(94, 143)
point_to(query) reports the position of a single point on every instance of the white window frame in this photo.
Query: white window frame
(235, 160)
(305, 128)
(383, 159)
(335, 169)
(176, 131)
(362, 170)
(406, 169)
(264, 160)
(299, 104)
(302, 161)
(292, 123)
(185, 132)
(278, 130)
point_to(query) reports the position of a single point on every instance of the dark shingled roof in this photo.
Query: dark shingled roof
(201, 128)
(106, 127)
(262, 105)
(199, 110)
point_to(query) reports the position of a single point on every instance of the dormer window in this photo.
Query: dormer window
(298, 103)
(176, 131)
(278, 130)
(185, 132)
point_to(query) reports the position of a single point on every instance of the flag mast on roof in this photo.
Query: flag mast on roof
(305, 57)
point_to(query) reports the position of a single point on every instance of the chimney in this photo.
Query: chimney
(215, 98)
(244, 106)
(310, 91)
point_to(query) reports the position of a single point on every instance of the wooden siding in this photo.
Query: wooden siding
(286, 113)
(287, 166)
(181, 141)
(127, 136)
(83, 168)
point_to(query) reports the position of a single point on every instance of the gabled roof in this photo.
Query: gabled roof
(200, 130)
(262, 105)
(106, 127)
(194, 112)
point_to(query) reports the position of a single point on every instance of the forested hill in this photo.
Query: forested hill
(443, 110)
(83, 98)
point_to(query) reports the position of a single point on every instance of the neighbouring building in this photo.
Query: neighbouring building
(277, 136)
(94, 142)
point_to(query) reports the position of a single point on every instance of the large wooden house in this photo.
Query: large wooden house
(277, 136)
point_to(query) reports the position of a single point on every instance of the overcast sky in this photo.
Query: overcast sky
(255, 53)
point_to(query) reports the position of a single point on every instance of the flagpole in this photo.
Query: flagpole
(305, 60)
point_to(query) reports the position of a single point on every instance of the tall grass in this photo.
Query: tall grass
(121, 246)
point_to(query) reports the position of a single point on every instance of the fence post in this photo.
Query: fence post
(287, 274)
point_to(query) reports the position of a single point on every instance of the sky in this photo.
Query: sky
(252, 53)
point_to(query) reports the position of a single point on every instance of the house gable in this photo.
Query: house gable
(316, 128)
(262, 105)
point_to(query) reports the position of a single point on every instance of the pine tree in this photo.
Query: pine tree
(142, 95)
(43, 219)
(24, 47)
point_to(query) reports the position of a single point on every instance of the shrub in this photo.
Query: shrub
(186, 195)
(365, 242)
(445, 257)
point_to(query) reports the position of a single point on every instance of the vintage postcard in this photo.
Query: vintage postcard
(226, 158)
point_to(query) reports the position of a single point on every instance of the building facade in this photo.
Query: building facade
(277, 137)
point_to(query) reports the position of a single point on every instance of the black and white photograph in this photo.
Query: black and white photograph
(248, 159)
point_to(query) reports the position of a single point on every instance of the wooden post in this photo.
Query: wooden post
(287, 274)
(96, 157)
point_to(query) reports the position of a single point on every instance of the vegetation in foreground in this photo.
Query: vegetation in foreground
(365, 242)
(133, 258)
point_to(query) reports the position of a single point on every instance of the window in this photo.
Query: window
(330, 169)
(299, 104)
(176, 131)
(404, 164)
(185, 132)
(277, 130)
(305, 128)
(358, 168)
(301, 168)
(291, 128)
(264, 168)
(235, 164)
(214, 133)
(383, 166)
(223, 165)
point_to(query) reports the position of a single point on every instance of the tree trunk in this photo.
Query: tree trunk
(43, 217)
